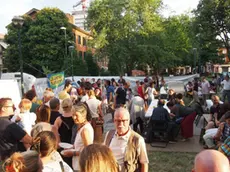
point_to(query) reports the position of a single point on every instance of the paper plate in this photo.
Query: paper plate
(65, 145)
(63, 151)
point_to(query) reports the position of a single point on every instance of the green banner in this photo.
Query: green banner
(56, 79)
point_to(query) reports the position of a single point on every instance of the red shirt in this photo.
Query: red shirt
(140, 92)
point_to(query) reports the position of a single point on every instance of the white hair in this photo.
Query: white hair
(48, 93)
(122, 111)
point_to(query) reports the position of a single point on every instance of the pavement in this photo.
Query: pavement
(191, 145)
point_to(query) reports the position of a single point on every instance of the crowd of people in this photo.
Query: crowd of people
(76, 116)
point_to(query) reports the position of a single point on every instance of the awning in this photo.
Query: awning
(3, 44)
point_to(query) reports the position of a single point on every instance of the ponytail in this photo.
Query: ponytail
(14, 163)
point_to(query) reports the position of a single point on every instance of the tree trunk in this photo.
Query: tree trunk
(226, 55)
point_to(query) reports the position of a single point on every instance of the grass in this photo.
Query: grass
(170, 161)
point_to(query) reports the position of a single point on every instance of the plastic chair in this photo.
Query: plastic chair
(159, 133)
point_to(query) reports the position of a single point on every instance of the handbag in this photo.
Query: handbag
(99, 122)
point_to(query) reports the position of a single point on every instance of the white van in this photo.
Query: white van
(29, 80)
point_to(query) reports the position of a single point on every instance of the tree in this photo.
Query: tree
(168, 47)
(12, 52)
(213, 23)
(116, 24)
(92, 66)
(43, 43)
(80, 66)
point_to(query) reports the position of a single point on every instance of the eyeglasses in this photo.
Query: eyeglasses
(12, 106)
(122, 120)
(9, 106)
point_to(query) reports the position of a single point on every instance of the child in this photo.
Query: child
(25, 119)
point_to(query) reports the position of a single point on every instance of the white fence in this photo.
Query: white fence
(41, 83)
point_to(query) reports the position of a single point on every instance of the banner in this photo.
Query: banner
(55, 80)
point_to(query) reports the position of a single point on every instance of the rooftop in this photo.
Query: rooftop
(2, 36)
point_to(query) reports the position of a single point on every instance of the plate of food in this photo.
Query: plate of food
(65, 145)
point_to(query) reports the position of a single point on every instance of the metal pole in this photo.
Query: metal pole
(194, 60)
(65, 58)
(21, 60)
(65, 44)
(198, 56)
(72, 63)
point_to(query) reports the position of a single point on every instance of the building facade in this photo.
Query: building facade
(80, 11)
(81, 36)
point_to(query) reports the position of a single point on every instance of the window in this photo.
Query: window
(74, 37)
(79, 39)
(84, 41)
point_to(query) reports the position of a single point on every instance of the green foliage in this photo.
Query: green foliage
(116, 26)
(43, 43)
(93, 69)
(46, 70)
(104, 72)
(136, 36)
(80, 67)
(213, 24)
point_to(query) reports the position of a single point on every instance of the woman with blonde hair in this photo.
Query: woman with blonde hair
(97, 118)
(65, 122)
(64, 125)
(28, 161)
(84, 135)
(100, 156)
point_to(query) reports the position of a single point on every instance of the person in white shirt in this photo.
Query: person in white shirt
(226, 88)
(86, 87)
(127, 146)
(151, 92)
(84, 135)
(47, 148)
(25, 119)
(97, 119)
(137, 112)
(205, 88)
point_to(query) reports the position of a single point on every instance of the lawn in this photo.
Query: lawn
(170, 161)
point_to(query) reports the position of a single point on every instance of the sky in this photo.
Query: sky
(11, 8)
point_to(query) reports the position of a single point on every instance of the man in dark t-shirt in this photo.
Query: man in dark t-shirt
(120, 97)
(54, 106)
(121, 80)
(10, 133)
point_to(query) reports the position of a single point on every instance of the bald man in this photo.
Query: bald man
(211, 161)
(127, 146)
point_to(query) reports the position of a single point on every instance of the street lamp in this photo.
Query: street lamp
(71, 48)
(194, 60)
(18, 22)
(199, 52)
(64, 28)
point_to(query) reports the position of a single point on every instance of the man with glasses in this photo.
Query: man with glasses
(127, 146)
(10, 133)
